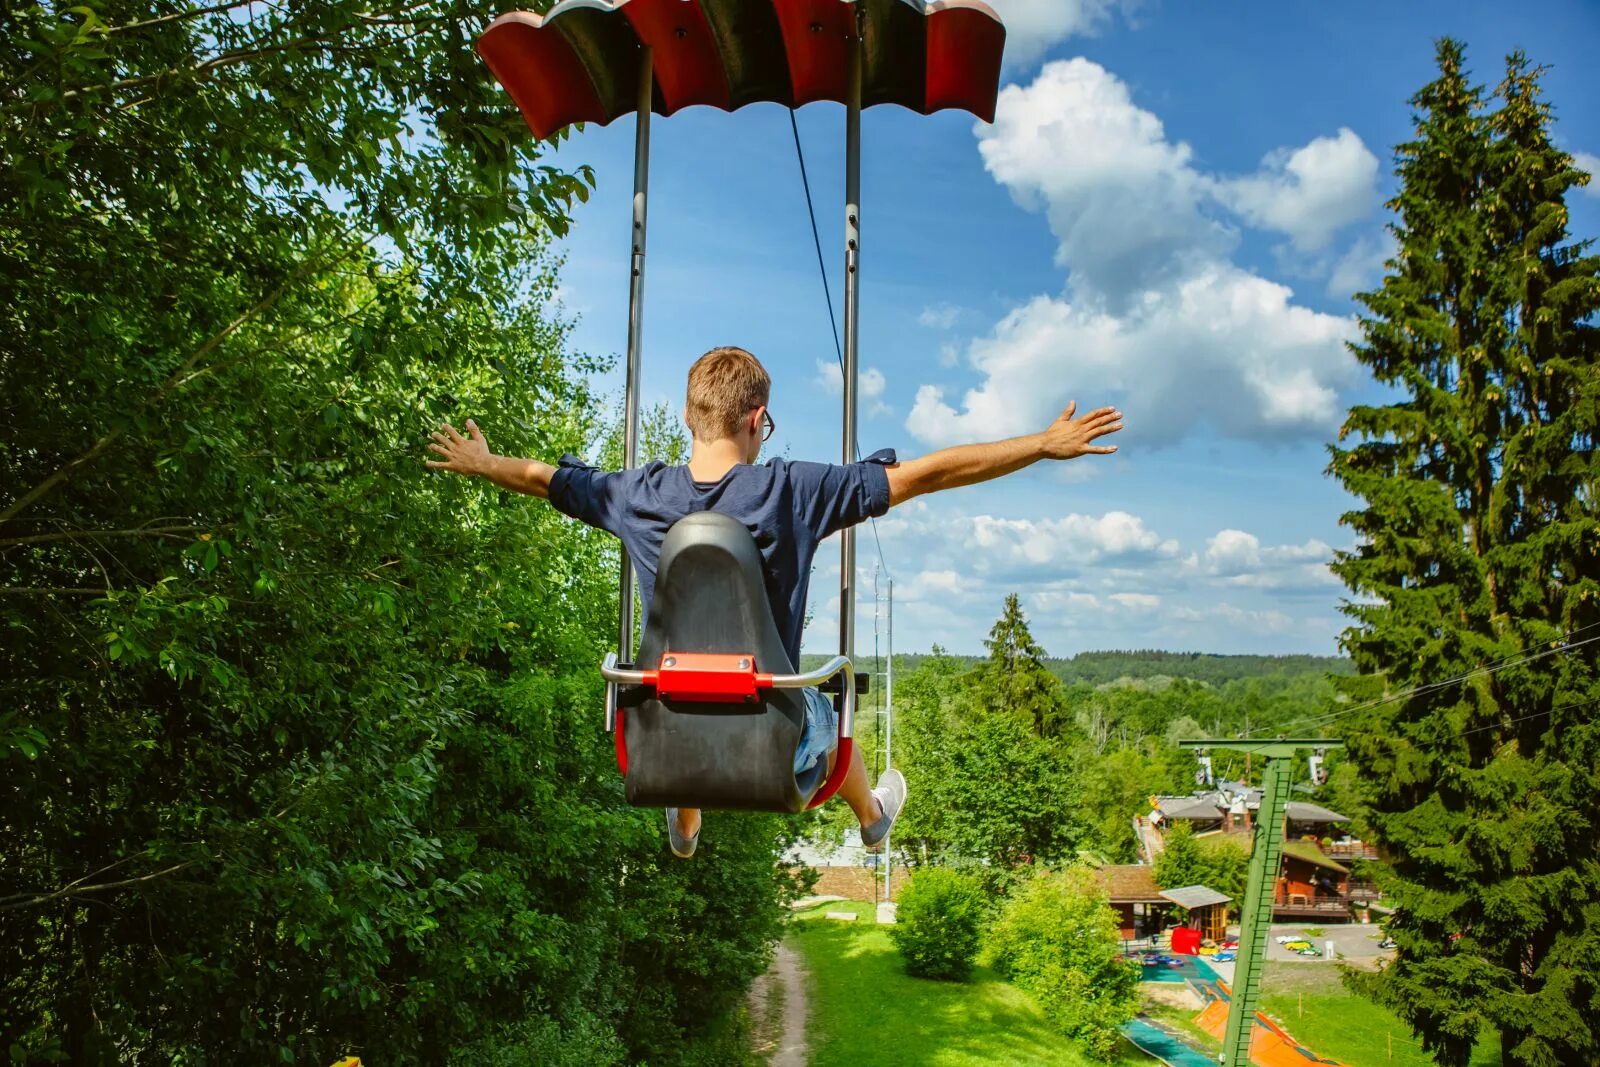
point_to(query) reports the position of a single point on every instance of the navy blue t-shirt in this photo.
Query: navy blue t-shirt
(788, 507)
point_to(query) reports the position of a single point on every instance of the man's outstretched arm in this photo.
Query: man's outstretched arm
(470, 455)
(949, 468)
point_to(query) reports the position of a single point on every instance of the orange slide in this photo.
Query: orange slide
(1269, 1045)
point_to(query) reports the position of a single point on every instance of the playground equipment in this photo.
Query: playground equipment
(713, 710)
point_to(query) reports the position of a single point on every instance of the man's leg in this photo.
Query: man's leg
(855, 789)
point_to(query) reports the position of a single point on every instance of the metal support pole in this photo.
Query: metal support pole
(852, 324)
(888, 739)
(630, 430)
(1255, 917)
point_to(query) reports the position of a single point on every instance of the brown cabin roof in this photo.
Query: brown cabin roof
(1130, 883)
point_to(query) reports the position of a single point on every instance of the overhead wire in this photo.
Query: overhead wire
(1494, 667)
(827, 295)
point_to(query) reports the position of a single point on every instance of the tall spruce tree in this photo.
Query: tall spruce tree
(1478, 559)
(1015, 679)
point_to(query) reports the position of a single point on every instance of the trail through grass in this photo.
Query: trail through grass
(867, 1012)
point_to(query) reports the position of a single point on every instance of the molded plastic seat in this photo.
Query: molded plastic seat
(711, 596)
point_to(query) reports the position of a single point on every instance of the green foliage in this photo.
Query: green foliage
(1479, 547)
(938, 923)
(1216, 861)
(989, 786)
(301, 744)
(1058, 939)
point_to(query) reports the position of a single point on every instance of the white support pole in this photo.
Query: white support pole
(630, 430)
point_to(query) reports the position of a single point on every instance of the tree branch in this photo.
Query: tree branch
(72, 466)
(13, 903)
(80, 535)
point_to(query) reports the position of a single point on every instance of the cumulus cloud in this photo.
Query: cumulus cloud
(1222, 348)
(870, 385)
(1587, 161)
(1237, 558)
(1122, 200)
(1106, 580)
(1154, 316)
(1032, 26)
(1309, 193)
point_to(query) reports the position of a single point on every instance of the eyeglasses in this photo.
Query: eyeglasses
(767, 425)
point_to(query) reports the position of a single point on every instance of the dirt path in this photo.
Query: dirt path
(779, 1010)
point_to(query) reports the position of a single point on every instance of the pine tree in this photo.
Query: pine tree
(1015, 679)
(1478, 556)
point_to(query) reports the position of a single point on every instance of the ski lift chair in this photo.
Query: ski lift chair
(715, 719)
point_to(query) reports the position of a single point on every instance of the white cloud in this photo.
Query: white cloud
(870, 385)
(1361, 266)
(1032, 26)
(1587, 161)
(1077, 539)
(1106, 580)
(1223, 348)
(1237, 558)
(1122, 200)
(1309, 193)
(942, 316)
(1154, 317)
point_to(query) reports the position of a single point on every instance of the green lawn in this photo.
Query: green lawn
(865, 1010)
(1357, 1032)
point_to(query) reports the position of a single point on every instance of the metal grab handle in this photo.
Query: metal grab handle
(836, 665)
(616, 676)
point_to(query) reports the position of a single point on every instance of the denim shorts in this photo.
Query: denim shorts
(821, 733)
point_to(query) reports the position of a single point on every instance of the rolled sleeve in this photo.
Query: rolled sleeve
(833, 496)
(585, 493)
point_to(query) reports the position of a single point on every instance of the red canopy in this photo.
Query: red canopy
(580, 62)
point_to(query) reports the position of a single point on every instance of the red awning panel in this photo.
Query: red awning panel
(580, 63)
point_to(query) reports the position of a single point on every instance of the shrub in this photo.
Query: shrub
(1058, 939)
(938, 922)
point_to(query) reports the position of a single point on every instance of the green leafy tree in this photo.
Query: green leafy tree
(992, 787)
(300, 747)
(1058, 939)
(1478, 555)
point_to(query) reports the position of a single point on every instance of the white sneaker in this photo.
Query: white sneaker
(891, 794)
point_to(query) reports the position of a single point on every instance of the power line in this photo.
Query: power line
(827, 294)
(1429, 687)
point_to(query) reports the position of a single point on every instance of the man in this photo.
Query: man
(789, 507)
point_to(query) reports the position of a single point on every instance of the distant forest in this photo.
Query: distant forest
(1100, 668)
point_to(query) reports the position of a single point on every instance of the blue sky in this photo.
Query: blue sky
(1168, 215)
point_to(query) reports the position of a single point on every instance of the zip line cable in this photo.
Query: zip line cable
(1429, 687)
(827, 294)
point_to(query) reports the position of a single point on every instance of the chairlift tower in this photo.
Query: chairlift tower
(1255, 917)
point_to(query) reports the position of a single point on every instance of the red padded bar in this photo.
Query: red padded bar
(622, 746)
(707, 677)
(687, 67)
(546, 79)
(965, 40)
(841, 767)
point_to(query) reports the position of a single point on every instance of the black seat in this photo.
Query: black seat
(710, 597)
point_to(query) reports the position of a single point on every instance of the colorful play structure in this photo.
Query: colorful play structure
(1270, 1046)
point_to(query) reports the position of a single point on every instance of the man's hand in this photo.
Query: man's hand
(464, 455)
(1068, 438)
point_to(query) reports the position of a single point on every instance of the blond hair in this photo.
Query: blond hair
(725, 385)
